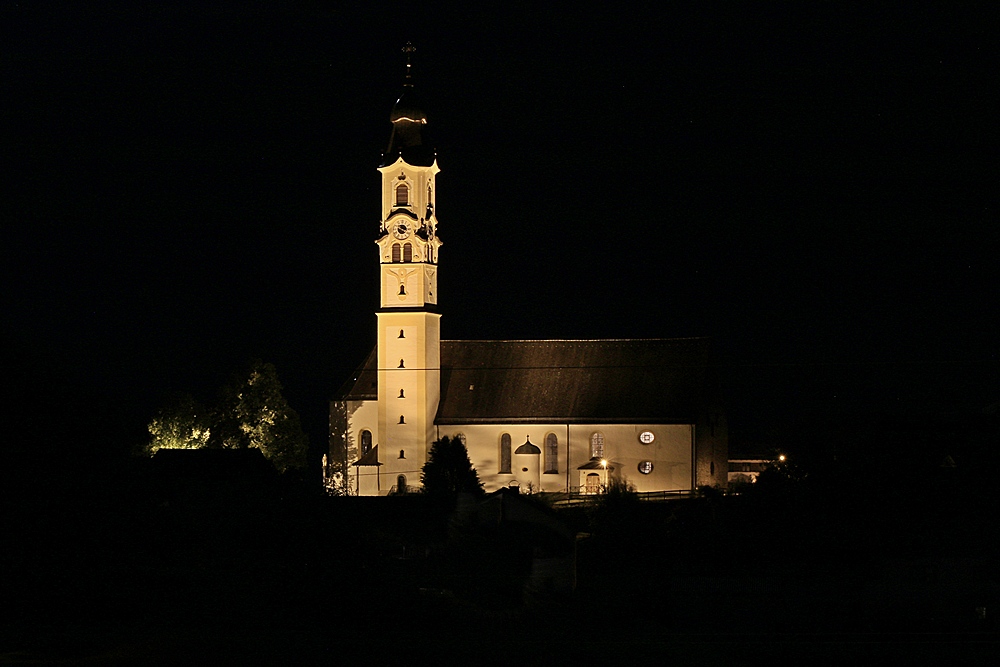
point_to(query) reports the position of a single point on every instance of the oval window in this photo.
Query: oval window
(646, 437)
(645, 467)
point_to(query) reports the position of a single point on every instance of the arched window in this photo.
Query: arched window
(505, 454)
(395, 253)
(366, 442)
(407, 252)
(401, 484)
(402, 195)
(597, 445)
(551, 453)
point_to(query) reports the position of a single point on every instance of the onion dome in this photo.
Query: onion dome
(409, 125)
(527, 448)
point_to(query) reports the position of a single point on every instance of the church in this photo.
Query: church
(539, 415)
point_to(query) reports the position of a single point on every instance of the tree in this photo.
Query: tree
(252, 413)
(181, 424)
(335, 467)
(449, 470)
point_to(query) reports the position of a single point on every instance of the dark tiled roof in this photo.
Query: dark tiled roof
(369, 459)
(619, 380)
(363, 384)
(579, 381)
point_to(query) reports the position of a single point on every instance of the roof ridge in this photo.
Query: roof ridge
(570, 340)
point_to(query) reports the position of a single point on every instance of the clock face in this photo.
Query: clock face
(401, 230)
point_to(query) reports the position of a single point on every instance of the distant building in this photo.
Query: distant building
(189, 475)
(543, 415)
(746, 471)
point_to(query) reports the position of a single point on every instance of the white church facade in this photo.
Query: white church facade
(542, 415)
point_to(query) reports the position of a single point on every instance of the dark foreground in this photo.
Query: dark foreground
(119, 569)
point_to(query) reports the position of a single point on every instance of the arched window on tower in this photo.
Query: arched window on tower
(366, 442)
(551, 453)
(407, 252)
(597, 445)
(402, 195)
(395, 253)
(504, 454)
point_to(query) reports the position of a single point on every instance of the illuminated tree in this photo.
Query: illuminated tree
(335, 467)
(449, 471)
(181, 424)
(253, 413)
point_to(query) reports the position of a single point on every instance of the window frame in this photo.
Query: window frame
(403, 188)
(504, 460)
(597, 445)
(551, 452)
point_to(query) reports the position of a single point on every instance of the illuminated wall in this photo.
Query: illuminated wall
(666, 462)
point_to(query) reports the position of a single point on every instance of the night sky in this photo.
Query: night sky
(188, 188)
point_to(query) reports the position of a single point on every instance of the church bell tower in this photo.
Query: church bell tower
(409, 339)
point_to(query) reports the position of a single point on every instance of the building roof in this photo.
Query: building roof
(595, 464)
(528, 448)
(363, 383)
(409, 129)
(212, 465)
(660, 381)
(369, 459)
(582, 381)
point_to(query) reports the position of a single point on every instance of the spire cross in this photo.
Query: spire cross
(409, 50)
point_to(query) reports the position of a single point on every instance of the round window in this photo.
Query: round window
(646, 437)
(645, 467)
